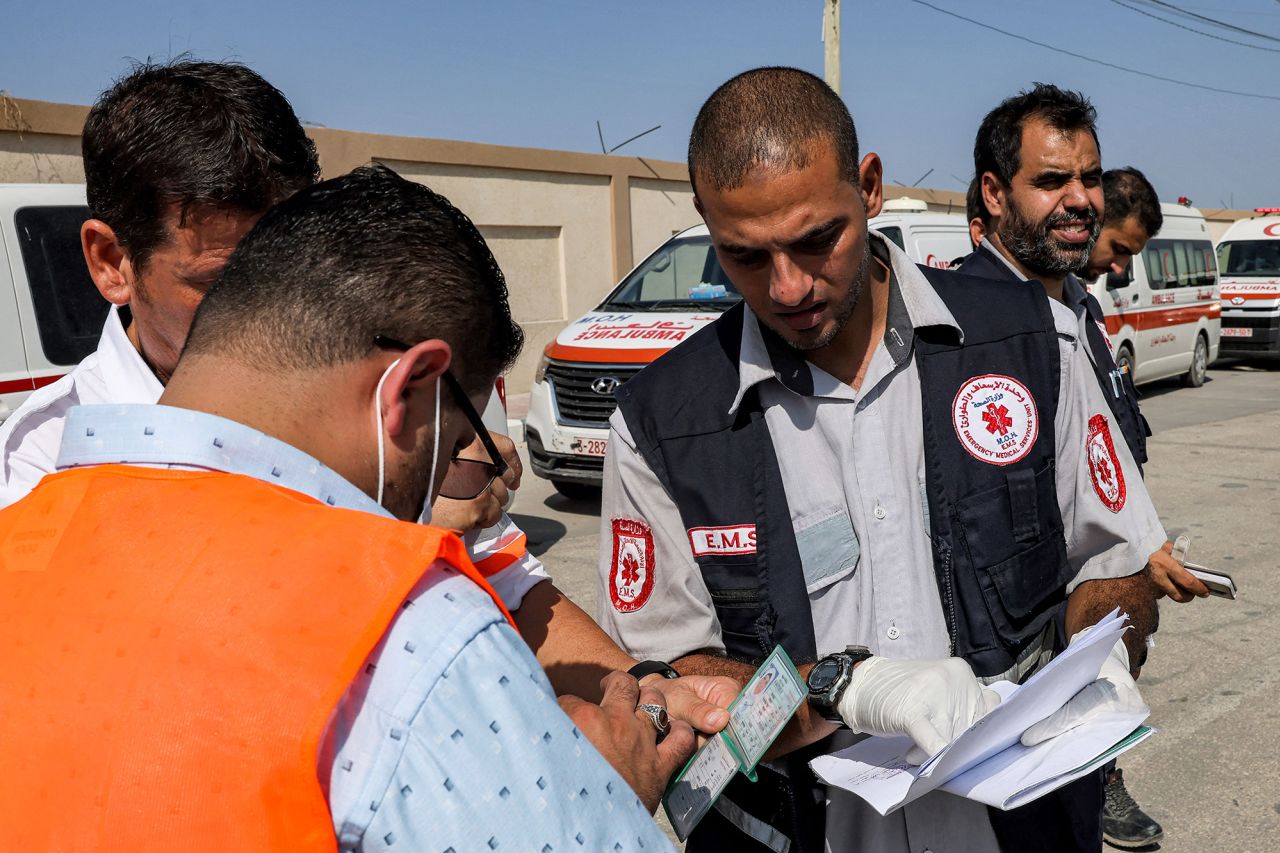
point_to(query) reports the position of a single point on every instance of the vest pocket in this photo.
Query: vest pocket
(829, 550)
(1013, 539)
(735, 591)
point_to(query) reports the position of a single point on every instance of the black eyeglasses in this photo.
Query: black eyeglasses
(467, 478)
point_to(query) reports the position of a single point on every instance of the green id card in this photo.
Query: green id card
(756, 718)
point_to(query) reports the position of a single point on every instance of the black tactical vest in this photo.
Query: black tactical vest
(1117, 386)
(998, 549)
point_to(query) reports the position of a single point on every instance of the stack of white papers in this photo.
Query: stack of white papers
(987, 761)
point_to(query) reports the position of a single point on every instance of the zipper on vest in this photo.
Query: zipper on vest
(948, 598)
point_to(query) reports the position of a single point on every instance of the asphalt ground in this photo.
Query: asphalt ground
(1211, 775)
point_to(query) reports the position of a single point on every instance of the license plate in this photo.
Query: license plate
(1237, 332)
(591, 446)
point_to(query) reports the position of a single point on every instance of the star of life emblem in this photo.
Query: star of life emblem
(1104, 465)
(995, 419)
(631, 572)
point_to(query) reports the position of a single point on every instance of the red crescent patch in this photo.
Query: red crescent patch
(1104, 465)
(632, 569)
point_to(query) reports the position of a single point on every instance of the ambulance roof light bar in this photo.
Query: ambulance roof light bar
(1267, 211)
(905, 204)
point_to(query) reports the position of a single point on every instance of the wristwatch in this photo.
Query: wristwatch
(649, 667)
(830, 676)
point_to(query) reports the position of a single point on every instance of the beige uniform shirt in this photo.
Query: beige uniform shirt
(852, 465)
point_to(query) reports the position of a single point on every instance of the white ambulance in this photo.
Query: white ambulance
(1249, 260)
(671, 294)
(1163, 315)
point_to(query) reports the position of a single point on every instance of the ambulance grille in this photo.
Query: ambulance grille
(578, 402)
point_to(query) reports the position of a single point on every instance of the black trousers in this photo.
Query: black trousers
(1068, 820)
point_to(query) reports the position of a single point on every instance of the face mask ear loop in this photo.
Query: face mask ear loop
(377, 419)
(435, 449)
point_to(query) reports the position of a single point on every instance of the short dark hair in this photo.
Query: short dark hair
(998, 146)
(768, 117)
(189, 132)
(369, 253)
(974, 206)
(1127, 192)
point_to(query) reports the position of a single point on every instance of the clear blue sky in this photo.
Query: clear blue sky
(540, 73)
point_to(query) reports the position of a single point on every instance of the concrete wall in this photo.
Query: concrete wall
(564, 226)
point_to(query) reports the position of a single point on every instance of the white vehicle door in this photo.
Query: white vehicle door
(1156, 347)
(937, 245)
(15, 379)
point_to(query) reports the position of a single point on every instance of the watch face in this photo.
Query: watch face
(823, 675)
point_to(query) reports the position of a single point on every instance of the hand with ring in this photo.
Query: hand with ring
(658, 716)
(632, 730)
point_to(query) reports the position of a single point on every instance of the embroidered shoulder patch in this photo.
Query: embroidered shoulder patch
(1104, 465)
(995, 419)
(631, 573)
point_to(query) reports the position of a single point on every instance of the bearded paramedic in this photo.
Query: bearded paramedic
(860, 455)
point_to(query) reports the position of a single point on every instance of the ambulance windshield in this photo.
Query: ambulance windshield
(683, 275)
(1250, 258)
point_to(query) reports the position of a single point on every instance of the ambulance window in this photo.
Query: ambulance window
(1201, 252)
(1250, 258)
(683, 272)
(894, 234)
(1159, 263)
(1185, 276)
(69, 310)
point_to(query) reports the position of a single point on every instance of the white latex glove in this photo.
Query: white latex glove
(930, 701)
(1113, 691)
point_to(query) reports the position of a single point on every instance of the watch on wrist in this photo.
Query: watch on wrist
(829, 678)
(649, 667)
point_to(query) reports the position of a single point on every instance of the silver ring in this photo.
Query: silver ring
(658, 716)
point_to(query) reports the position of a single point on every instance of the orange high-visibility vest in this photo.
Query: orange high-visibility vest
(172, 645)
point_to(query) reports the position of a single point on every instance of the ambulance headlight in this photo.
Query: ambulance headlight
(541, 373)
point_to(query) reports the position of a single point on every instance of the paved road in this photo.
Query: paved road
(1212, 774)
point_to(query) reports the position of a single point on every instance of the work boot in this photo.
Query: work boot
(1124, 824)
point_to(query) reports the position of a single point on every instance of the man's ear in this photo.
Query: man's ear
(416, 371)
(993, 194)
(109, 266)
(871, 183)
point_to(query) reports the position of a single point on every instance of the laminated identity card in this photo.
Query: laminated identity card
(756, 718)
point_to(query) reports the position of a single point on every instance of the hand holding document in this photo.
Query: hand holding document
(987, 762)
(756, 718)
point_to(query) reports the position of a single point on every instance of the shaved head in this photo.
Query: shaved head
(775, 118)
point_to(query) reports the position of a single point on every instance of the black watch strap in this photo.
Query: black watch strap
(649, 667)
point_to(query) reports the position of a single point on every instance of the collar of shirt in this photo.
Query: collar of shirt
(913, 304)
(989, 247)
(167, 437)
(1074, 294)
(126, 375)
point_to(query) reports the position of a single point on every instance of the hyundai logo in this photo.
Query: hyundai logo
(605, 385)
(1237, 300)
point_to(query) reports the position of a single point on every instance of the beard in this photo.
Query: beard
(841, 312)
(1037, 250)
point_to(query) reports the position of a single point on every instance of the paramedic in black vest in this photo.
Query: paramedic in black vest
(1052, 212)
(867, 465)
(1033, 225)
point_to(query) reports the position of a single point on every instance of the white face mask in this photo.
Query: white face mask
(425, 516)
